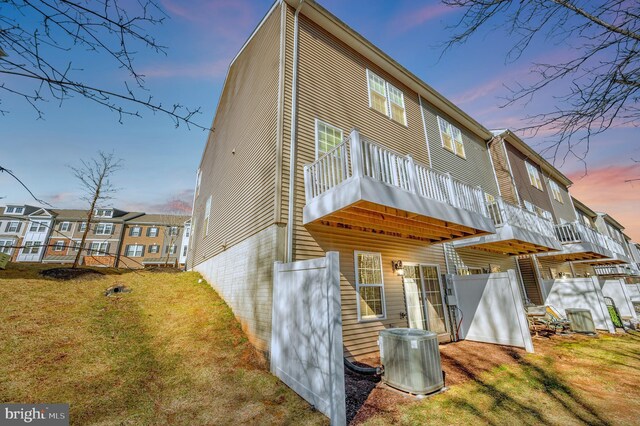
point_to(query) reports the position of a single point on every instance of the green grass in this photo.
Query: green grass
(169, 352)
(570, 380)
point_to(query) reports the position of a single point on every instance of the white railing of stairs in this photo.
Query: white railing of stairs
(358, 156)
(576, 232)
(505, 213)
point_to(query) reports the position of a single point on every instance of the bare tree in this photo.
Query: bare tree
(602, 70)
(37, 35)
(95, 178)
(173, 223)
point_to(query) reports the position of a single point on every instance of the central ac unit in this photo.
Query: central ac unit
(581, 320)
(411, 360)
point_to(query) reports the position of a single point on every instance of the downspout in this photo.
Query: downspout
(294, 124)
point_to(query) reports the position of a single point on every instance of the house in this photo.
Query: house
(38, 228)
(184, 247)
(103, 241)
(622, 262)
(152, 239)
(13, 222)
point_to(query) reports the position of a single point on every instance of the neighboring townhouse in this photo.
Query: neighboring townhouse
(152, 239)
(103, 240)
(622, 263)
(13, 222)
(186, 234)
(38, 228)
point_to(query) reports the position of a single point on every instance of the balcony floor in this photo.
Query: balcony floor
(368, 205)
(512, 240)
(579, 251)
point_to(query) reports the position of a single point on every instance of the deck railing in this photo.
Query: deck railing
(505, 213)
(358, 156)
(614, 245)
(614, 270)
(576, 232)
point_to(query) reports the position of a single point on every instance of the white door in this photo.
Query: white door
(437, 318)
(423, 293)
(413, 297)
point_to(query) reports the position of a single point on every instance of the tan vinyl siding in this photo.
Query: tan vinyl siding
(360, 338)
(501, 167)
(525, 189)
(562, 210)
(583, 269)
(546, 264)
(475, 168)
(238, 164)
(461, 258)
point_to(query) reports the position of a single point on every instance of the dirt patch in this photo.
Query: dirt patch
(163, 269)
(65, 274)
(357, 389)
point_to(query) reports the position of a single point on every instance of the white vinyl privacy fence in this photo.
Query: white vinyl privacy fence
(616, 289)
(306, 339)
(491, 309)
(578, 293)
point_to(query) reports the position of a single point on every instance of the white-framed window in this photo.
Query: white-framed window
(386, 99)
(75, 245)
(38, 226)
(14, 210)
(173, 231)
(134, 250)
(369, 286)
(98, 248)
(103, 213)
(555, 190)
(187, 231)
(152, 231)
(82, 226)
(538, 210)
(170, 249)
(31, 247)
(468, 270)
(184, 250)
(104, 229)
(534, 176)
(135, 231)
(58, 246)
(327, 137)
(154, 248)
(10, 210)
(207, 214)
(13, 226)
(6, 246)
(451, 137)
(65, 226)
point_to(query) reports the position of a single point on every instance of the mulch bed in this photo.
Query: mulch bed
(65, 274)
(357, 388)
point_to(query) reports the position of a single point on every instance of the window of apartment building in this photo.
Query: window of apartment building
(207, 213)
(327, 137)
(103, 213)
(134, 250)
(534, 176)
(184, 250)
(6, 246)
(13, 226)
(173, 231)
(82, 226)
(10, 210)
(99, 248)
(58, 246)
(187, 231)
(468, 270)
(537, 210)
(135, 231)
(104, 229)
(152, 231)
(555, 190)
(31, 247)
(14, 210)
(385, 98)
(37, 227)
(369, 285)
(171, 249)
(451, 137)
(154, 248)
(75, 246)
(65, 226)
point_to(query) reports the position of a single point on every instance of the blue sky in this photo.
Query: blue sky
(203, 36)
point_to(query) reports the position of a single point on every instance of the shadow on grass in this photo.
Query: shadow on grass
(33, 270)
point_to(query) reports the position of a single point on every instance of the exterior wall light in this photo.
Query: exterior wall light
(396, 265)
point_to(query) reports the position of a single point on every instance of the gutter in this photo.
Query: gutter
(294, 125)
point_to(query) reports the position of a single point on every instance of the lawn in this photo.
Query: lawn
(168, 352)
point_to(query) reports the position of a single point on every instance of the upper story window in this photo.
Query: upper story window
(555, 190)
(187, 231)
(13, 226)
(152, 231)
(207, 213)
(38, 227)
(171, 249)
(135, 231)
(31, 247)
(104, 229)
(58, 246)
(534, 176)
(134, 250)
(385, 98)
(585, 219)
(173, 231)
(103, 213)
(99, 249)
(538, 210)
(6, 246)
(65, 226)
(14, 210)
(154, 248)
(82, 227)
(451, 137)
(369, 285)
(327, 137)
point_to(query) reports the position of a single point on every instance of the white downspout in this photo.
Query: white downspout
(292, 150)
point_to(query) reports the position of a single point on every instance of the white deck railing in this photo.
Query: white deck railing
(614, 270)
(614, 245)
(576, 232)
(505, 213)
(358, 156)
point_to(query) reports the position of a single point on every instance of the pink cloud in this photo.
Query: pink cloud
(178, 203)
(604, 190)
(410, 19)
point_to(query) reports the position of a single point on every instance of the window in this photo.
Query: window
(99, 248)
(468, 270)
(38, 227)
(534, 176)
(14, 210)
(104, 229)
(82, 227)
(385, 98)
(134, 250)
(152, 231)
(75, 246)
(537, 210)
(65, 226)
(451, 137)
(103, 213)
(170, 249)
(327, 137)
(370, 286)
(10, 210)
(154, 248)
(58, 246)
(135, 231)
(555, 190)
(6, 246)
(13, 226)
(184, 250)
(207, 213)
(173, 231)
(187, 231)
(31, 247)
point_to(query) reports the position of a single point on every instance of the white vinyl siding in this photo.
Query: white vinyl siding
(534, 176)
(369, 286)
(386, 99)
(451, 137)
(555, 190)
(327, 137)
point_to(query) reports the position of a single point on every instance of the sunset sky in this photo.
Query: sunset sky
(203, 36)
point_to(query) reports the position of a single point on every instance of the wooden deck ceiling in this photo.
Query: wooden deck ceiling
(512, 247)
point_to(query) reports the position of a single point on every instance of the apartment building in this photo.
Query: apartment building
(14, 221)
(186, 234)
(152, 239)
